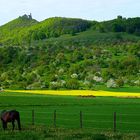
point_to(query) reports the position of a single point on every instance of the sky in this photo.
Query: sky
(98, 10)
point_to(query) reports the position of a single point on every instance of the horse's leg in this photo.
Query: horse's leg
(18, 122)
(4, 125)
(13, 123)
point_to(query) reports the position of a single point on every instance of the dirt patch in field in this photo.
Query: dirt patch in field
(129, 97)
(87, 96)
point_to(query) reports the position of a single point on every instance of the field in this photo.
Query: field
(132, 93)
(37, 113)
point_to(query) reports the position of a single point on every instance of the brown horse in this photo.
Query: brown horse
(10, 116)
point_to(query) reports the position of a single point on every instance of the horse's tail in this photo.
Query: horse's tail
(18, 121)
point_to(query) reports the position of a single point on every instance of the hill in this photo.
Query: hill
(10, 31)
(68, 53)
(25, 29)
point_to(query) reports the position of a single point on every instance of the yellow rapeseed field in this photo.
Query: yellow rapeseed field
(79, 93)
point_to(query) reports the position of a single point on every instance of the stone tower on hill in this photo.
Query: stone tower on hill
(26, 16)
(30, 16)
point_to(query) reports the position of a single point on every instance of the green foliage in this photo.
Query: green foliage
(72, 84)
(130, 25)
(12, 32)
(120, 82)
(33, 67)
(46, 54)
(25, 29)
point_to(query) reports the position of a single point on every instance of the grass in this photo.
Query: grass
(97, 112)
(43, 133)
(122, 89)
(91, 36)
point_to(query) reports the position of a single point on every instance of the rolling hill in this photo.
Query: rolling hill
(10, 31)
(69, 53)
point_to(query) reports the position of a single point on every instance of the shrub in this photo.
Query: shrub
(72, 84)
(120, 82)
(111, 83)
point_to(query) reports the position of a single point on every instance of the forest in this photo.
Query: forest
(69, 53)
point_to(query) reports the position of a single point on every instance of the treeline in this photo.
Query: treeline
(130, 25)
(56, 66)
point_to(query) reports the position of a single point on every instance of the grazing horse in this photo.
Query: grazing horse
(10, 116)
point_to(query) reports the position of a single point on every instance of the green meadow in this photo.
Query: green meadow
(97, 112)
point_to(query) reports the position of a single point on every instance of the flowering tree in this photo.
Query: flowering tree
(111, 83)
(74, 76)
(98, 79)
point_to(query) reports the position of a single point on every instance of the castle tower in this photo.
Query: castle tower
(30, 16)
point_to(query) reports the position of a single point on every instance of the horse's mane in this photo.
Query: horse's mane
(3, 111)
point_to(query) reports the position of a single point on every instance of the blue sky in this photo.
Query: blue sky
(87, 9)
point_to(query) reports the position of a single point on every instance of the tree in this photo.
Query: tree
(119, 17)
(111, 83)
(120, 82)
(72, 84)
(101, 29)
(41, 35)
(118, 28)
(35, 36)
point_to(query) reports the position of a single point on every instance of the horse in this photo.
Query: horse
(10, 116)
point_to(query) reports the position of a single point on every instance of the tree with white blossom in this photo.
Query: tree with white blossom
(111, 83)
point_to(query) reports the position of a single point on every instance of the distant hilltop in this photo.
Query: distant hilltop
(26, 29)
